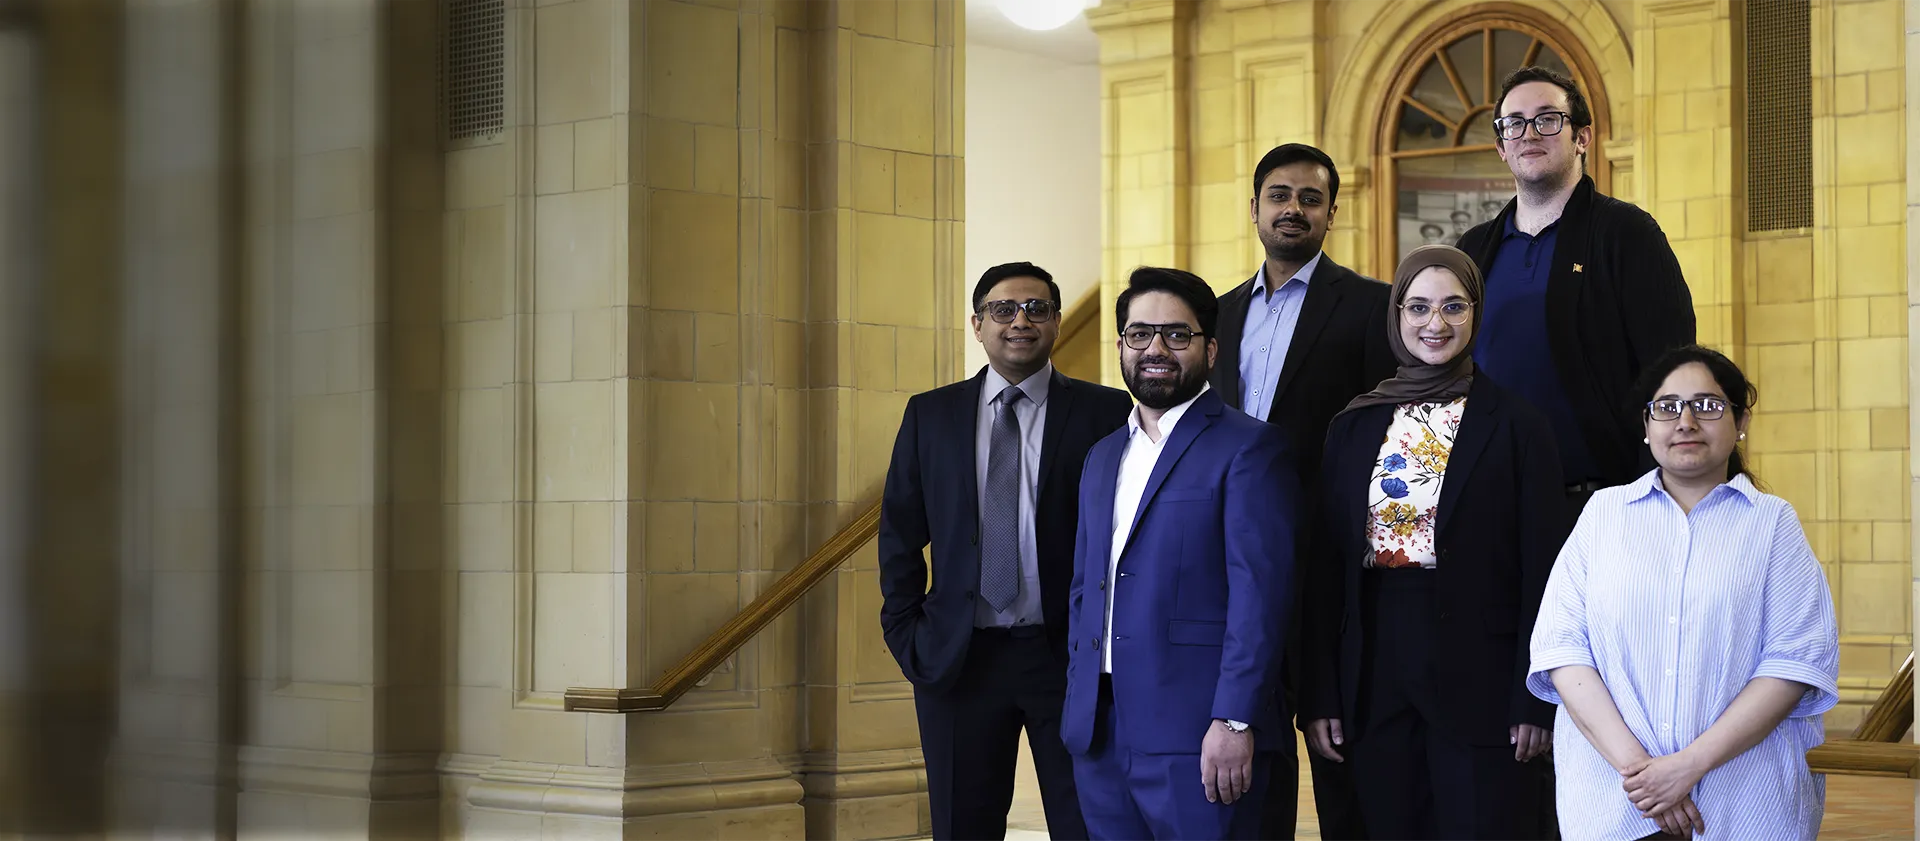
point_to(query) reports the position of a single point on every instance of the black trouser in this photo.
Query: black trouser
(1334, 800)
(1417, 778)
(970, 734)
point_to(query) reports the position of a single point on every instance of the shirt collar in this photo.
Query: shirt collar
(1036, 386)
(1511, 230)
(1168, 420)
(1305, 275)
(1650, 485)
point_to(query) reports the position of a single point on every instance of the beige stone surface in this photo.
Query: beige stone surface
(541, 410)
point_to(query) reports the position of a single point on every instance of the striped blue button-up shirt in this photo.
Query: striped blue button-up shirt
(1272, 316)
(1678, 612)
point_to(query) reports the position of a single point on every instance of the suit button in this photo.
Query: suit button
(969, 595)
(1103, 584)
(1096, 645)
(1076, 645)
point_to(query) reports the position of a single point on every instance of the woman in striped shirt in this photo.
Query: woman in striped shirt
(1688, 634)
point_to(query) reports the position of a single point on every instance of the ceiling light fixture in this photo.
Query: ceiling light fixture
(1043, 15)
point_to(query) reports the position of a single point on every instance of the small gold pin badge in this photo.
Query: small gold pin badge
(1576, 268)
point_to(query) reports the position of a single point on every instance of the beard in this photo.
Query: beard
(1163, 394)
(1290, 249)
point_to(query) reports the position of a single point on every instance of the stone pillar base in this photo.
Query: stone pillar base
(867, 795)
(532, 800)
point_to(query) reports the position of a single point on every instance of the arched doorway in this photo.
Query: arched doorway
(1435, 144)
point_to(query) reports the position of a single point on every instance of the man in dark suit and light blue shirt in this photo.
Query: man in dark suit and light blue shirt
(1298, 340)
(1183, 574)
(987, 472)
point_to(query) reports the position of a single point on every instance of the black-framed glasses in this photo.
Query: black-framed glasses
(1704, 408)
(1002, 311)
(1546, 123)
(1176, 336)
(1419, 313)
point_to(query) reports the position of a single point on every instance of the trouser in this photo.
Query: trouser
(1012, 680)
(1131, 796)
(1416, 777)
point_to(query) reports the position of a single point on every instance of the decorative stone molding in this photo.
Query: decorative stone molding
(626, 793)
(381, 777)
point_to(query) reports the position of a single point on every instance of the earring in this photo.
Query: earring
(1743, 436)
(1646, 440)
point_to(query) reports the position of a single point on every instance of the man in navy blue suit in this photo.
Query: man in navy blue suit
(987, 473)
(1183, 576)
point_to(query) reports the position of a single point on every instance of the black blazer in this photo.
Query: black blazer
(1339, 351)
(1616, 300)
(932, 498)
(1502, 518)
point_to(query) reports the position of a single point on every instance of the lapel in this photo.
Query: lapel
(1355, 481)
(1103, 471)
(1059, 406)
(1323, 294)
(1228, 329)
(966, 415)
(1199, 416)
(1476, 429)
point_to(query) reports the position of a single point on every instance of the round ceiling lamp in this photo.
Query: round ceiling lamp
(1042, 15)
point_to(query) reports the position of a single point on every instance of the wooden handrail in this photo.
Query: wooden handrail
(1892, 712)
(1878, 747)
(1083, 314)
(721, 644)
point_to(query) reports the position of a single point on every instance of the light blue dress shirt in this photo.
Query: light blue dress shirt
(1271, 317)
(1032, 414)
(1678, 611)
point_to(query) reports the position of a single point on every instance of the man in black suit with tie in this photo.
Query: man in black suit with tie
(987, 472)
(1298, 340)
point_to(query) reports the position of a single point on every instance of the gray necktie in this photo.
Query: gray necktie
(1000, 521)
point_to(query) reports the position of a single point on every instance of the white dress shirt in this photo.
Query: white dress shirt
(1136, 466)
(1032, 415)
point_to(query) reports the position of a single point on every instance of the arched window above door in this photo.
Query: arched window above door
(1436, 139)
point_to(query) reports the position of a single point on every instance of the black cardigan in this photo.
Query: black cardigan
(1616, 300)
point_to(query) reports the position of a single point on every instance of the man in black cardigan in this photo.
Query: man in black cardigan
(1583, 291)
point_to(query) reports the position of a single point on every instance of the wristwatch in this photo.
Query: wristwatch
(1235, 726)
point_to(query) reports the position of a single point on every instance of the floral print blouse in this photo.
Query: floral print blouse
(1404, 493)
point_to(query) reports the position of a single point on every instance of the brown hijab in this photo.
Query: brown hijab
(1417, 381)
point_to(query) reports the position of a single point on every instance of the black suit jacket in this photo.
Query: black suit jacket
(1502, 518)
(932, 499)
(1616, 301)
(1339, 351)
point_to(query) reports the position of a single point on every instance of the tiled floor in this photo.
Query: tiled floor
(1858, 808)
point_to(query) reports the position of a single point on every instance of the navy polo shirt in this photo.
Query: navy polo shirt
(1512, 347)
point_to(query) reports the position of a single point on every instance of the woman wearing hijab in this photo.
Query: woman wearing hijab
(1442, 512)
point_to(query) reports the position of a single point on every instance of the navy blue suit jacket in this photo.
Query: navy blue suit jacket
(1204, 586)
(932, 500)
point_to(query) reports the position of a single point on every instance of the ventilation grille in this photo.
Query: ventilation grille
(473, 68)
(1779, 112)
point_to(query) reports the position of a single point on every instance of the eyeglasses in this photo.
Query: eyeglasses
(1003, 311)
(1704, 408)
(1546, 123)
(1419, 313)
(1140, 336)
